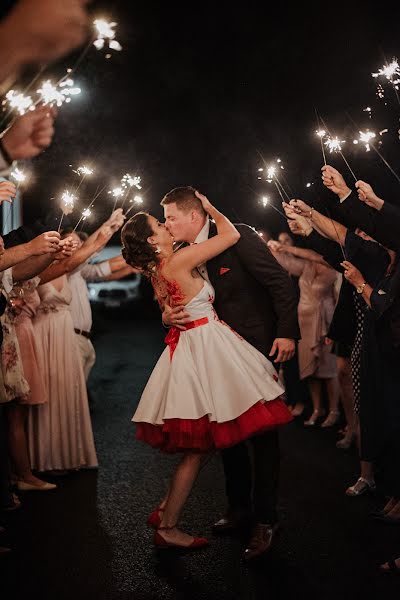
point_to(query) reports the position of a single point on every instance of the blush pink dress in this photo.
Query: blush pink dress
(60, 431)
(27, 342)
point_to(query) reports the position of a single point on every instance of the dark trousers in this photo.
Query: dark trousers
(296, 389)
(252, 476)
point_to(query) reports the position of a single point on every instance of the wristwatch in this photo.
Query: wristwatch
(360, 288)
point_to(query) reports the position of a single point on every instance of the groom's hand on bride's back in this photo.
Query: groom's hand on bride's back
(284, 348)
(175, 317)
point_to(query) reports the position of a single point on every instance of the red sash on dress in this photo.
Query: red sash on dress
(174, 333)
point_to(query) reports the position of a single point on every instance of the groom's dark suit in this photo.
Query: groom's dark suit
(255, 296)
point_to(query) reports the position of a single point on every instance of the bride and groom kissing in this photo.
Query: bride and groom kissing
(228, 306)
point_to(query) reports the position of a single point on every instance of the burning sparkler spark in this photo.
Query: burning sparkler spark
(390, 71)
(365, 137)
(59, 93)
(84, 171)
(265, 201)
(86, 213)
(106, 33)
(68, 201)
(117, 192)
(18, 176)
(334, 144)
(18, 101)
(129, 181)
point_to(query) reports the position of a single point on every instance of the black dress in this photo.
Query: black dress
(380, 374)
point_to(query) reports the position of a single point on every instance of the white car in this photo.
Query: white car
(114, 294)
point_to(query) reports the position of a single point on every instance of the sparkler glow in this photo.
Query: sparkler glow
(57, 94)
(86, 213)
(365, 137)
(84, 171)
(138, 199)
(68, 201)
(116, 192)
(271, 171)
(18, 176)
(389, 71)
(18, 101)
(106, 33)
(129, 181)
(334, 144)
(265, 201)
(321, 133)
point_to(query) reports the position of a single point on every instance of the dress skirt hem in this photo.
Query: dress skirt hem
(203, 435)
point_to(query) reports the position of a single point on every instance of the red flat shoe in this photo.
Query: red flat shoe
(154, 519)
(161, 543)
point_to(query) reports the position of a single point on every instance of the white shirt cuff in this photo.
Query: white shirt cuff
(346, 196)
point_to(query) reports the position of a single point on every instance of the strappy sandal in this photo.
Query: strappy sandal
(361, 486)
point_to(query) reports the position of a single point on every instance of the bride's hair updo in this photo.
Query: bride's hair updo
(136, 250)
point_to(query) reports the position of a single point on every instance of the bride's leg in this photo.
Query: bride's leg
(180, 488)
(205, 459)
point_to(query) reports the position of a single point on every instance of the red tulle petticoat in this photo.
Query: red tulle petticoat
(203, 435)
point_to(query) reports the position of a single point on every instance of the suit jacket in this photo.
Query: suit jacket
(253, 293)
(382, 225)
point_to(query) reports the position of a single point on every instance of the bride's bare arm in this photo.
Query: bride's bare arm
(227, 235)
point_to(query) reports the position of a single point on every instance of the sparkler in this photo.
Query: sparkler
(56, 94)
(137, 200)
(321, 133)
(67, 206)
(265, 202)
(117, 193)
(336, 145)
(18, 176)
(392, 73)
(19, 102)
(106, 33)
(365, 138)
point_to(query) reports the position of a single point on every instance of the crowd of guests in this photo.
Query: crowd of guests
(46, 354)
(348, 276)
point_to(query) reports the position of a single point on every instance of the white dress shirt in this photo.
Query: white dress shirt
(202, 237)
(80, 306)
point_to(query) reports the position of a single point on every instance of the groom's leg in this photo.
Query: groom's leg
(266, 476)
(238, 477)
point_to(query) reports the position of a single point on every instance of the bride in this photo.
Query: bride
(210, 389)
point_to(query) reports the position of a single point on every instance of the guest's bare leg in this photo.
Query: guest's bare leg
(180, 488)
(347, 397)
(332, 388)
(17, 415)
(315, 386)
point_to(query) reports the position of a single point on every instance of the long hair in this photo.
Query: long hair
(136, 250)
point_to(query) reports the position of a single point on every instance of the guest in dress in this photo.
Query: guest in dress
(316, 307)
(60, 431)
(19, 313)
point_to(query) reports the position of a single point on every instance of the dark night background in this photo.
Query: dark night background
(199, 94)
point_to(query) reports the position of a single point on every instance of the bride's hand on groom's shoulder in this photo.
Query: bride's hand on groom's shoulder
(175, 317)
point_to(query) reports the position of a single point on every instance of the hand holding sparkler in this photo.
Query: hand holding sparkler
(301, 208)
(366, 194)
(334, 181)
(45, 243)
(7, 191)
(352, 274)
(66, 248)
(275, 246)
(116, 220)
(298, 224)
(29, 134)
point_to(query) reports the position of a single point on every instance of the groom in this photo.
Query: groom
(253, 295)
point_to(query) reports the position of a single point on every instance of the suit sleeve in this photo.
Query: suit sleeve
(259, 262)
(329, 250)
(382, 225)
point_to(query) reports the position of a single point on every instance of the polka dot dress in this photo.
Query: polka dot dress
(355, 358)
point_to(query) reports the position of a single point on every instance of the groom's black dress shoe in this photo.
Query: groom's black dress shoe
(261, 540)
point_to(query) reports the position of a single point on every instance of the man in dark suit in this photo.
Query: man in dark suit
(255, 296)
